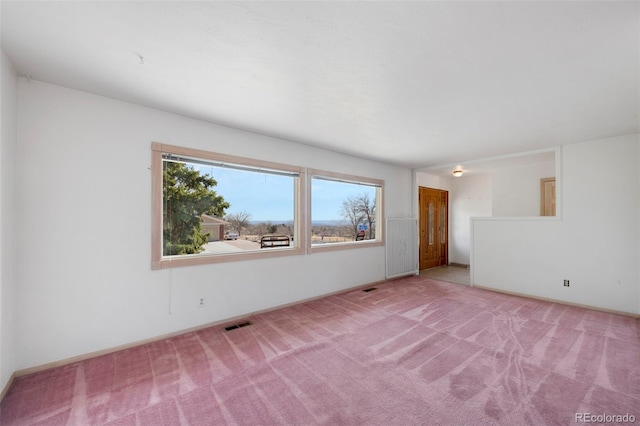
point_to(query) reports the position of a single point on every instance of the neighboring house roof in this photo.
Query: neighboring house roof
(211, 219)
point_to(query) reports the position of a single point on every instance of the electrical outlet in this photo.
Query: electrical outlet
(566, 283)
(201, 302)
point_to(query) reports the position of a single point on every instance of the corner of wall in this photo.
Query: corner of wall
(638, 237)
(8, 135)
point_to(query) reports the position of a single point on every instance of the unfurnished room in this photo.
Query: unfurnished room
(319, 213)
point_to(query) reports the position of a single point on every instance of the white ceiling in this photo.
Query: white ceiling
(412, 83)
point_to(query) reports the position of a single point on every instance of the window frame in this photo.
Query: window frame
(158, 261)
(346, 178)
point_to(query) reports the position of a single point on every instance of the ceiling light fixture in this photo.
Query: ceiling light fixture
(458, 172)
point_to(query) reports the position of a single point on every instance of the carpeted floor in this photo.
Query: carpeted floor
(415, 351)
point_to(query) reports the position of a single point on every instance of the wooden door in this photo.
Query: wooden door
(548, 197)
(434, 227)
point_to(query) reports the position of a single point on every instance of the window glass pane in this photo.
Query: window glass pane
(342, 212)
(431, 224)
(443, 228)
(215, 209)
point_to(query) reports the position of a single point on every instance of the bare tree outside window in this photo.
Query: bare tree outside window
(367, 208)
(351, 212)
(238, 221)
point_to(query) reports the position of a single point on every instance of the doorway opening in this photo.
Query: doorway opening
(548, 196)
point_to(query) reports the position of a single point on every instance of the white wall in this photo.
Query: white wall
(428, 180)
(516, 190)
(9, 92)
(595, 244)
(83, 254)
(470, 196)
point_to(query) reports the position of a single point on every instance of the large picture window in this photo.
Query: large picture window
(210, 207)
(346, 211)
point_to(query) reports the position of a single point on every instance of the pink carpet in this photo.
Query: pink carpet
(413, 352)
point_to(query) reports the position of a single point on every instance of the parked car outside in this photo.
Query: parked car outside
(231, 235)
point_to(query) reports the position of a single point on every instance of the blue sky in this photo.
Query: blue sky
(269, 197)
(327, 197)
(265, 196)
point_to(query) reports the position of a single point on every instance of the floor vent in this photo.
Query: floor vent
(367, 290)
(233, 327)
